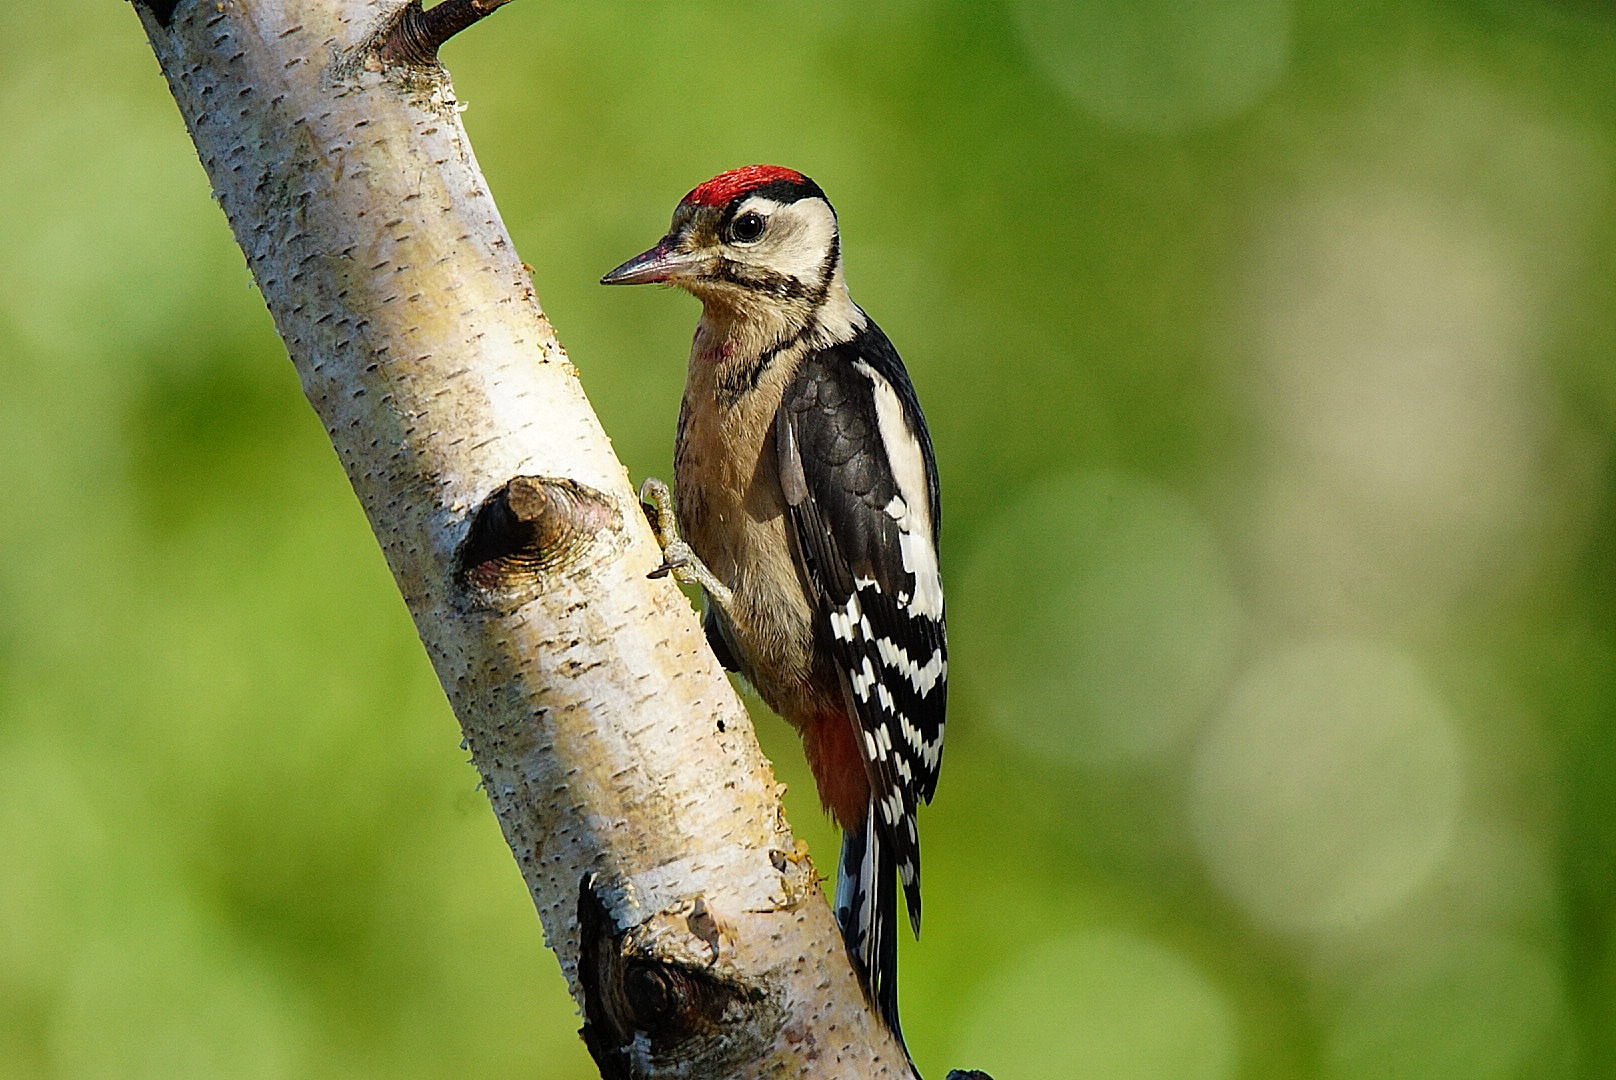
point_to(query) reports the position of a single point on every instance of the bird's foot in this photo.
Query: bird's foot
(678, 558)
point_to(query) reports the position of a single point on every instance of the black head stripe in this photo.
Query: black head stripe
(784, 192)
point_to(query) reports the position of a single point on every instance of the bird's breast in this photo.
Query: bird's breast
(731, 510)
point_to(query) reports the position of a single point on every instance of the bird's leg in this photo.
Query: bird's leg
(677, 557)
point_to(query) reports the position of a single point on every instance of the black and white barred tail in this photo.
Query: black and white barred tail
(867, 912)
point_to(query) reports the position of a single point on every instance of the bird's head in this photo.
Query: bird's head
(752, 240)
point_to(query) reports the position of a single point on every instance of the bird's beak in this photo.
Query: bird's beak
(661, 263)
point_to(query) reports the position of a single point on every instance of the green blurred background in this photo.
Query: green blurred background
(1268, 349)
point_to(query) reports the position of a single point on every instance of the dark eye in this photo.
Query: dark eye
(747, 227)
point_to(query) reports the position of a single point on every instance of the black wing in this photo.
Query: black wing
(857, 469)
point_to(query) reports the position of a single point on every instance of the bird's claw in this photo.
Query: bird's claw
(678, 558)
(657, 502)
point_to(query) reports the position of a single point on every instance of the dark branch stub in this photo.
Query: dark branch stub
(162, 10)
(648, 1016)
(527, 530)
(416, 35)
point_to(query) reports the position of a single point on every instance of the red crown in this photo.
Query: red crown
(726, 186)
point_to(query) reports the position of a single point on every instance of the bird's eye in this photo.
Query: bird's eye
(747, 227)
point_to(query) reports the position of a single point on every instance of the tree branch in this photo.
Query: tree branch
(418, 35)
(622, 768)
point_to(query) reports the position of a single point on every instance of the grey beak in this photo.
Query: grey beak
(659, 264)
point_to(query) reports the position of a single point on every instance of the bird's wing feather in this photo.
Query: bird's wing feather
(856, 467)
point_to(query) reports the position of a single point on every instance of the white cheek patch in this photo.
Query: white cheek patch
(798, 237)
(911, 507)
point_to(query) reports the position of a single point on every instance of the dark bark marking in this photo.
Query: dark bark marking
(647, 1016)
(162, 10)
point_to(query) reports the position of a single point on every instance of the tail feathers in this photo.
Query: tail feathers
(867, 911)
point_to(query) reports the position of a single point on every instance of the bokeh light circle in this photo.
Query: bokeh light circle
(1096, 621)
(1104, 1004)
(1328, 788)
(1155, 65)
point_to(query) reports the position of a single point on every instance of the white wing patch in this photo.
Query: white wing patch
(911, 507)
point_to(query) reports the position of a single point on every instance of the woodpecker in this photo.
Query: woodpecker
(805, 504)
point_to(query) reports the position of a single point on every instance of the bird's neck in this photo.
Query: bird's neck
(739, 326)
(730, 335)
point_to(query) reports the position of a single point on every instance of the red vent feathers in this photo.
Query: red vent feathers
(726, 186)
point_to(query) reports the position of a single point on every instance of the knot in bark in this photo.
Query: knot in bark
(647, 1015)
(528, 530)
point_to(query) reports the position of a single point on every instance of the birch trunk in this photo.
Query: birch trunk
(622, 768)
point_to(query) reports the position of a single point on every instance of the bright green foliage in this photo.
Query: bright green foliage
(1268, 353)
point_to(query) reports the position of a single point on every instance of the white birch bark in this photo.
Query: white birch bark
(620, 764)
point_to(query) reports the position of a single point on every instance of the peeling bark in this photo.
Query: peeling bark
(622, 768)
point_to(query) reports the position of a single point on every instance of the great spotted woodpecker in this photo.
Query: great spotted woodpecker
(805, 495)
